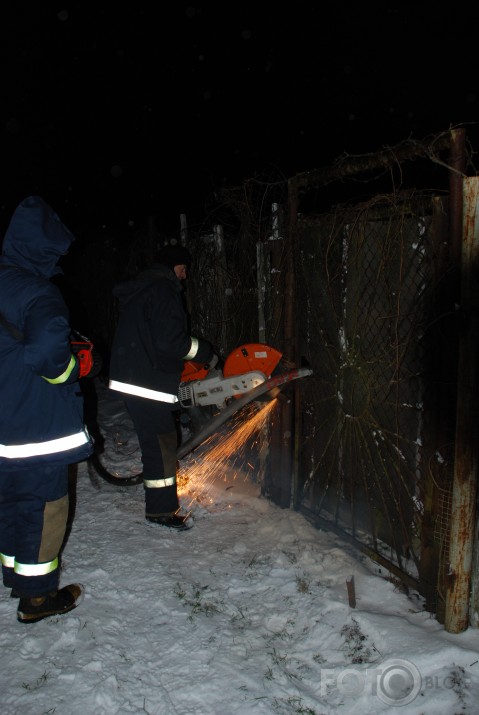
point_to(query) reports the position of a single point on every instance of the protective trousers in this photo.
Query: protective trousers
(155, 426)
(33, 522)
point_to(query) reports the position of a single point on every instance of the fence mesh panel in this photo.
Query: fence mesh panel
(365, 277)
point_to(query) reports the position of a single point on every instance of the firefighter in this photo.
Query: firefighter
(150, 345)
(41, 417)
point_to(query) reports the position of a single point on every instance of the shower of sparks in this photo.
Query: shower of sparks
(225, 453)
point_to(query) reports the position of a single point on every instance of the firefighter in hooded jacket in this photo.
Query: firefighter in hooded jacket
(150, 346)
(41, 417)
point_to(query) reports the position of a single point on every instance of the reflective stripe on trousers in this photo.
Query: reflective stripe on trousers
(29, 569)
(36, 569)
(159, 483)
(7, 561)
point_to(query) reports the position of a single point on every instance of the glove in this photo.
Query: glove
(89, 359)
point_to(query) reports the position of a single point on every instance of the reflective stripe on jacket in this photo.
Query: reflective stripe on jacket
(142, 392)
(51, 446)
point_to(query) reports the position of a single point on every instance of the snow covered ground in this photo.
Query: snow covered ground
(245, 614)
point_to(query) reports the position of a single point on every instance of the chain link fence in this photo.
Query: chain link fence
(374, 317)
(366, 274)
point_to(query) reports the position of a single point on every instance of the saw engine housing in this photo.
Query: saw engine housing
(245, 368)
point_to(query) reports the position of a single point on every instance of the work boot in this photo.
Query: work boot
(173, 520)
(31, 610)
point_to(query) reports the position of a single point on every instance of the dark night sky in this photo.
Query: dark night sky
(113, 113)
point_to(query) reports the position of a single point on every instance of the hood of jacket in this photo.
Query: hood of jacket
(130, 289)
(35, 238)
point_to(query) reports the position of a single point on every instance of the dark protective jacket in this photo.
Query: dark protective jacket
(152, 339)
(41, 415)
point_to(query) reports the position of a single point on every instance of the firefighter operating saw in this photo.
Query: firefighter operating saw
(209, 397)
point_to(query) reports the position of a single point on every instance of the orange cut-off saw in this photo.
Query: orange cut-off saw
(250, 372)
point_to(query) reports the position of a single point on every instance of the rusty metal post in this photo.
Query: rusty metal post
(464, 491)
